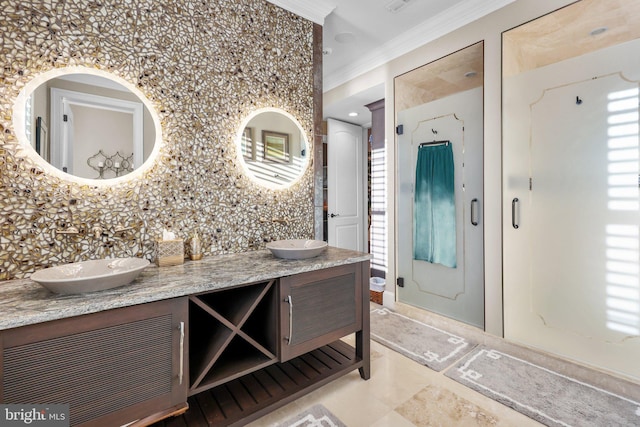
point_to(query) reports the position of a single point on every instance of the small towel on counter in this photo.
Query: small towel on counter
(434, 206)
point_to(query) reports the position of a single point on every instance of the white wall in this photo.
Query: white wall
(490, 30)
(95, 130)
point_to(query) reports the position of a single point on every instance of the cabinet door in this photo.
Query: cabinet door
(318, 308)
(111, 367)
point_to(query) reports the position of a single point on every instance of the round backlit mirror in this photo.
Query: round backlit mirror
(87, 123)
(273, 148)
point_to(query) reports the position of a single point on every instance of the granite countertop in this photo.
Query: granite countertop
(24, 302)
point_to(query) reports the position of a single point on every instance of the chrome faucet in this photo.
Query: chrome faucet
(283, 221)
(120, 230)
(69, 201)
(69, 230)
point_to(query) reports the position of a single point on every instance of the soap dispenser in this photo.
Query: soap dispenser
(195, 246)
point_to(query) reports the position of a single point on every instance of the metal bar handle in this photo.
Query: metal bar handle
(290, 301)
(181, 328)
(514, 204)
(474, 212)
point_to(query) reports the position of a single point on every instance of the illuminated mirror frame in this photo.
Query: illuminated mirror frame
(20, 126)
(248, 172)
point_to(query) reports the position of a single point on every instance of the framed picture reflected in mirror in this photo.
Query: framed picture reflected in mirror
(276, 146)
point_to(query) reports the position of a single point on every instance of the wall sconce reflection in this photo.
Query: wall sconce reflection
(103, 164)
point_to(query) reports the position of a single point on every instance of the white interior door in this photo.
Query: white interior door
(110, 124)
(345, 186)
(454, 292)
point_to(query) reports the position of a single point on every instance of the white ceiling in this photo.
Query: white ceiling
(356, 103)
(363, 34)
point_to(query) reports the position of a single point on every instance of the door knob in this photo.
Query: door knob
(334, 215)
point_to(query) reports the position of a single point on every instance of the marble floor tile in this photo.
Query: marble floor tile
(393, 396)
(393, 419)
(436, 406)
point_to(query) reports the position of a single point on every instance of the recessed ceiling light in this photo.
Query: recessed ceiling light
(470, 74)
(353, 114)
(597, 31)
(345, 38)
(397, 5)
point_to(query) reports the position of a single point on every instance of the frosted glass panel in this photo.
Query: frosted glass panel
(571, 159)
(454, 292)
(574, 207)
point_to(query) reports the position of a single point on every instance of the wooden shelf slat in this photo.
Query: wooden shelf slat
(227, 403)
(210, 408)
(272, 387)
(257, 390)
(314, 363)
(237, 402)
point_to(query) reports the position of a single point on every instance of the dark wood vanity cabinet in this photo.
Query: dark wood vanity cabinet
(111, 367)
(318, 308)
(257, 347)
(243, 350)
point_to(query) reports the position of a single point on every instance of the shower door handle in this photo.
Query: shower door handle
(474, 212)
(514, 206)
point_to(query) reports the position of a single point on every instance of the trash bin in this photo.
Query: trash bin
(376, 289)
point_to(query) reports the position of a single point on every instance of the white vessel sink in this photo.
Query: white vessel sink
(90, 276)
(296, 248)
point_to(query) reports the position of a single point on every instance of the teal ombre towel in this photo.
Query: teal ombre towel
(434, 206)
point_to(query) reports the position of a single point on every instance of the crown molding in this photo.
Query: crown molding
(449, 20)
(313, 10)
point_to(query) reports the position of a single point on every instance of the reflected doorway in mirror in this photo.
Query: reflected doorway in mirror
(96, 111)
(42, 138)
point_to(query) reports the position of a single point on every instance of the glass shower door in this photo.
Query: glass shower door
(572, 221)
(453, 292)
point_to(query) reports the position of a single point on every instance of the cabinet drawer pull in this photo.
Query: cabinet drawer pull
(181, 374)
(290, 337)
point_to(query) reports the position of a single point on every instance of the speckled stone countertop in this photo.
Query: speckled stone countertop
(24, 302)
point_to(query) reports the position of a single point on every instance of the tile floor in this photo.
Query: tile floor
(401, 393)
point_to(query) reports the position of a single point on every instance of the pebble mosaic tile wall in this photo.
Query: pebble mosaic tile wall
(204, 65)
